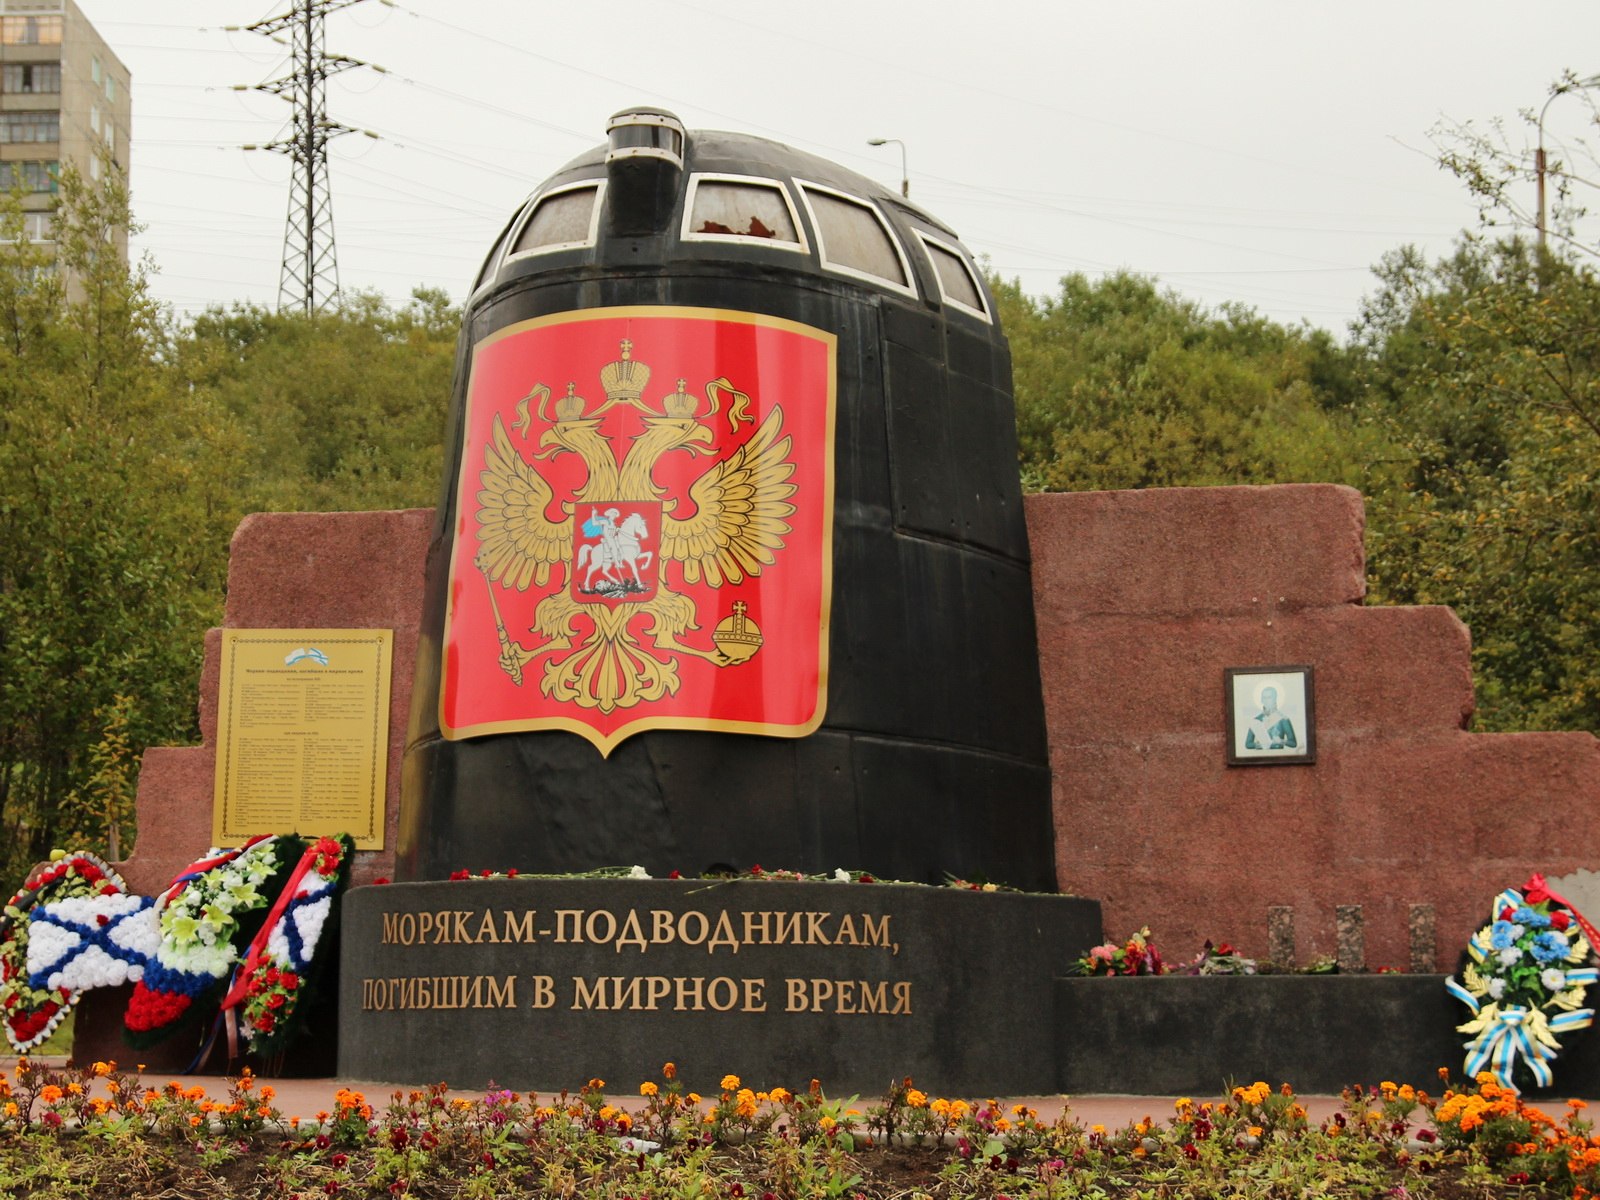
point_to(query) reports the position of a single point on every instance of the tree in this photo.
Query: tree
(1120, 385)
(113, 495)
(1485, 368)
(344, 410)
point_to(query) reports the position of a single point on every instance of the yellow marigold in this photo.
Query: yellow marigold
(959, 1108)
(1001, 1124)
(269, 1093)
(1254, 1131)
(694, 1097)
(263, 1112)
(826, 1123)
(75, 1088)
(745, 1103)
(195, 1119)
(1297, 1112)
(940, 1107)
(1140, 1152)
(607, 1112)
(624, 1122)
(916, 1099)
(730, 1083)
(102, 1069)
(50, 1093)
(1389, 1088)
(648, 1089)
(1143, 1127)
(1575, 1105)
(1100, 1129)
(11, 1108)
(782, 1095)
(1407, 1092)
(461, 1104)
(669, 1071)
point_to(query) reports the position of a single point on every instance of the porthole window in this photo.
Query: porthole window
(958, 282)
(855, 240)
(565, 219)
(738, 208)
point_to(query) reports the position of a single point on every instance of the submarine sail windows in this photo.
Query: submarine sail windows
(855, 240)
(563, 219)
(958, 284)
(735, 207)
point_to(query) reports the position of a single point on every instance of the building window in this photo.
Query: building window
(958, 283)
(855, 240)
(561, 220)
(94, 70)
(30, 79)
(30, 31)
(34, 176)
(36, 227)
(94, 117)
(19, 127)
(111, 89)
(736, 208)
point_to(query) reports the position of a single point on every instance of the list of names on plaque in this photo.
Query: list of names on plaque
(303, 733)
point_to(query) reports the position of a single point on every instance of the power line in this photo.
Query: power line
(309, 278)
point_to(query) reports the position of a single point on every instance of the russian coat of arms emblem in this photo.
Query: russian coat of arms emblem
(631, 555)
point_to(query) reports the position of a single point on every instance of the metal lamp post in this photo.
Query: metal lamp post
(1538, 155)
(905, 178)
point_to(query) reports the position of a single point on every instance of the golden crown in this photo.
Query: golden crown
(570, 407)
(681, 403)
(625, 380)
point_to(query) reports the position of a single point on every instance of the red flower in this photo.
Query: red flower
(511, 873)
(276, 1000)
(461, 874)
(673, 875)
(380, 880)
(485, 873)
(110, 889)
(756, 869)
(1559, 920)
(290, 981)
(264, 1022)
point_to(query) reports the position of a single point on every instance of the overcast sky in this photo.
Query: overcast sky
(1265, 152)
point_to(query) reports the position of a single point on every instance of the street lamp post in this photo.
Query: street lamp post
(905, 178)
(1538, 155)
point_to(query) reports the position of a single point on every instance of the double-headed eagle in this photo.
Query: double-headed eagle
(735, 529)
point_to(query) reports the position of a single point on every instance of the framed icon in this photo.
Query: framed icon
(1271, 716)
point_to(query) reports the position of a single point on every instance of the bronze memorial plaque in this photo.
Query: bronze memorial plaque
(302, 733)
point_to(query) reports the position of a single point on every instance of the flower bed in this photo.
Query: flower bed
(99, 1131)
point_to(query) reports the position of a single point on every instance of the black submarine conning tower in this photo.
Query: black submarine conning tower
(926, 757)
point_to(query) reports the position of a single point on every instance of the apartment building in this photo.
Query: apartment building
(64, 98)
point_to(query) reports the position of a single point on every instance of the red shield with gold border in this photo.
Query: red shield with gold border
(644, 527)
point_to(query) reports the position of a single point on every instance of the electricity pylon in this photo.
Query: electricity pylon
(309, 278)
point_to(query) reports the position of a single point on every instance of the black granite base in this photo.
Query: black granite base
(542, 984)
(1189, 1035)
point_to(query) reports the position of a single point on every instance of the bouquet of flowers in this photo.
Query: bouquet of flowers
(1137, 956)
(1524, 981)
(273, 983)
(1218, 959)
(206, 917)
(31, 1013)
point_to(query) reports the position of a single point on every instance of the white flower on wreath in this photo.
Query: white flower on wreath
(1553, 978)
(840, 875)
(638, 872)
(1510, 955)
(1497, 988)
